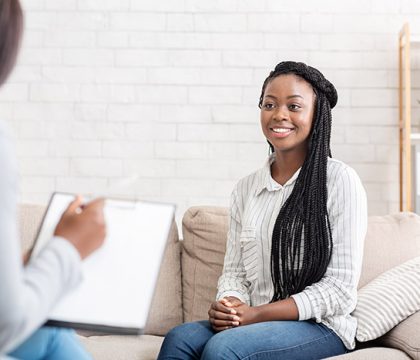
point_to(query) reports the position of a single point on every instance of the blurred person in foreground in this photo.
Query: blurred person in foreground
(29, 291)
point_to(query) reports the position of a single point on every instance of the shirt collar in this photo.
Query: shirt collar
(265, 180)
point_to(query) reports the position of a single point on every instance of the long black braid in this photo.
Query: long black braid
(302, 241)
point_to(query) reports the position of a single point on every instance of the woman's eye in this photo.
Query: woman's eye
(269, 106)
(294, 107)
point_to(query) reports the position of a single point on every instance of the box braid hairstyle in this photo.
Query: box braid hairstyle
(304, 217)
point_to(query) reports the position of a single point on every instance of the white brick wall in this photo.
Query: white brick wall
(158, 99)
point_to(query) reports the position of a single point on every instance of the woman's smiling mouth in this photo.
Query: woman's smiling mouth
(281, 132)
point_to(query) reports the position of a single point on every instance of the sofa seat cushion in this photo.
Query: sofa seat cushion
(122, 347)
(373, 354)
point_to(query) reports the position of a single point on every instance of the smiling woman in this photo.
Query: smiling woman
(295, 241)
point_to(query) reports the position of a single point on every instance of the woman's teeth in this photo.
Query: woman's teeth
(281, 130)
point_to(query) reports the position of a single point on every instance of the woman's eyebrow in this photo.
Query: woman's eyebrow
(293, 96)
(270, 96)
(289, 97)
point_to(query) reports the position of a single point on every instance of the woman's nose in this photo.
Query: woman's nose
(281, 113)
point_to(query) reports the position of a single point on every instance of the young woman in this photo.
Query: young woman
(28, 293)
(295, 241)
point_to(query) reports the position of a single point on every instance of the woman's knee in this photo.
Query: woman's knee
(186, 340)
(191, 334)
(221, 346)
(185, 331)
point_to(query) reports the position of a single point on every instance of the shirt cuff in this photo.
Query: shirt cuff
(304, 306)
(71, 248)
(236, 294)
(71, 259)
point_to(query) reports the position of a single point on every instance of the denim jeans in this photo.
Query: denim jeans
(278, 340)
(50, 343)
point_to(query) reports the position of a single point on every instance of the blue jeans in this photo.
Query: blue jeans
(50, 343)
(261, 341)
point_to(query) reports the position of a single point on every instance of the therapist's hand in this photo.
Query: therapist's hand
(83, 225)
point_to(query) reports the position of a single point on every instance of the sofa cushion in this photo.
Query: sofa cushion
(113, 347)
(204, 244)
(166, 310)
(29, 219)
(373, 354)
(390, 241)
(405, 336)
(387, 300)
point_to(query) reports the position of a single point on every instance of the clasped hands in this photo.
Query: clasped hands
(231, 312)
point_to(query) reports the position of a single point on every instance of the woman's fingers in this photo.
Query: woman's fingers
(222, 316)
(218, 306)
(231, 301)
(222, 323)
(221, 328)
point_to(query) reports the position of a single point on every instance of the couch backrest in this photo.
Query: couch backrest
(204, 243)
(390, 240)
(29, 219)
(166, 311)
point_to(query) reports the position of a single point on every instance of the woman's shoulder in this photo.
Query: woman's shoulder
(338, 170)
(251, 182)
(335, 165)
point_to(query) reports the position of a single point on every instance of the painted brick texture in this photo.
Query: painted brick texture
(158, 100)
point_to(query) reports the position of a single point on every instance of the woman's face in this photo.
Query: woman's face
(286, 113)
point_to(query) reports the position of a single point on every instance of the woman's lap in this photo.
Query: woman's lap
(260, 341)
(51, 343)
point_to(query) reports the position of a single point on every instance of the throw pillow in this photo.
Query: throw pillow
(387, 300)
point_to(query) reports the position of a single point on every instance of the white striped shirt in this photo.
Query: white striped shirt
(255, 204)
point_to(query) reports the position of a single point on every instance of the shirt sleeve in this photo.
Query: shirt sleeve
(27, 293)
(336, 292)
(233, 282)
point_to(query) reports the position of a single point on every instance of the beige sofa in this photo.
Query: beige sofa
(189, 273)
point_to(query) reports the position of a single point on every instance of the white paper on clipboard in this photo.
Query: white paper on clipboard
(118, 279)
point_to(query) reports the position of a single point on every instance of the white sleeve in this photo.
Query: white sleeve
(232, 282)
(336, 292)
(27, 294)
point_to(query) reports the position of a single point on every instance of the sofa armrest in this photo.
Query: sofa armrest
(405, 336)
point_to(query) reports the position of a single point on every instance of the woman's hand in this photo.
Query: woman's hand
(247, 314)
(222, 317)
(231, 301)
(83, 225)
